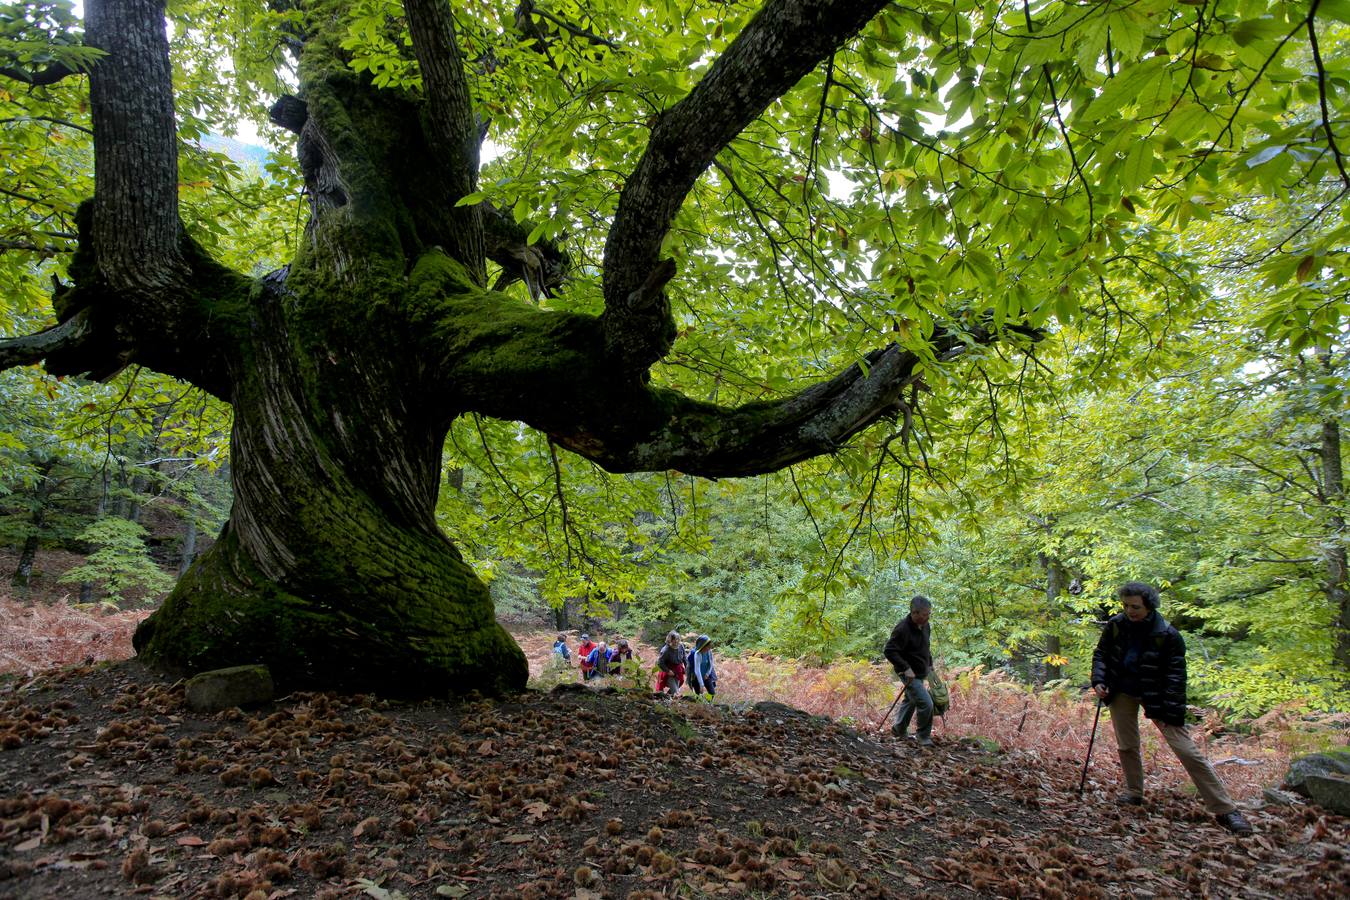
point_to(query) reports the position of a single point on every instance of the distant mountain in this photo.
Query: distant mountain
(237, 150)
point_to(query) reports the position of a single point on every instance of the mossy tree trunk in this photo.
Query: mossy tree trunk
(346, 368)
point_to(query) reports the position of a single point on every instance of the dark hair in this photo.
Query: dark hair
(920, 602)
(1146, 592)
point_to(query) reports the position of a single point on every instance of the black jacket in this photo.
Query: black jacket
(908, 648)
(670, 657)
(1161, 668)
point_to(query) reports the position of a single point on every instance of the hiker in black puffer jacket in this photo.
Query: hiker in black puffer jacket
(1140, 660)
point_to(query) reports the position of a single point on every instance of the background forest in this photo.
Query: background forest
(1182, 427)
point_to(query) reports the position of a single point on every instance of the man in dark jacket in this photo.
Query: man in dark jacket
(1140, 660)
(908, 651)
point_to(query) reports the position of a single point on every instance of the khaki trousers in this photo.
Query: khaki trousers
(1125, 721)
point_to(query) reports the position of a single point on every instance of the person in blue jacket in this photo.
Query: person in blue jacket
(597, 662)
(560, 649)
(701, 674)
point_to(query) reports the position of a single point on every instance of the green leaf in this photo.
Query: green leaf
(1138, 166)
(1265, 155)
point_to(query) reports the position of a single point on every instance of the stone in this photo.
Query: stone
(1331, 792)
(774, 708)
(1332, 762)
(223, 688)
(1277, 797)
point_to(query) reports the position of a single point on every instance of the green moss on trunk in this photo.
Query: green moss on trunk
(224, 612)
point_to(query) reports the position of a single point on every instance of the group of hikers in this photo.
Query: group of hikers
(1139, 663)
(675, 666)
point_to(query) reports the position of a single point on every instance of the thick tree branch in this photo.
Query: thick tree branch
(509, 360)
(780, 45)
(669, 431)
(143, 293)
(450, 127)
(49, 75)
(68, 336)
(136, 228)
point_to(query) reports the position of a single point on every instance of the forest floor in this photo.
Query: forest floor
(112, 788)
(109, 786)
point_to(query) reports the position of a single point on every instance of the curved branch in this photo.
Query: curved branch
(780, 45)
(510, 360)
(527, 9)
(1322, 94)
(50, 119)
(717, 442)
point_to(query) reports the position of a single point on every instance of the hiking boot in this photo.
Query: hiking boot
(923, 741)
(1235, 822)
(1129, 800)
(899, 732)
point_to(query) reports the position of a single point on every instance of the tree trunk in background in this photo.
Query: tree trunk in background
(87, 587)
(454, 478)
(189, 544)
(1337, 579)
(138, 485)
(23, 572)
(1056, 581)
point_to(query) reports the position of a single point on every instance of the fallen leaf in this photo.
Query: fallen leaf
(518, 838)
(30, 844)
(438, 844)
(451, 890)
(190, 840)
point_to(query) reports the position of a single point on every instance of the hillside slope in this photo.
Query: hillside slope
(113, 786)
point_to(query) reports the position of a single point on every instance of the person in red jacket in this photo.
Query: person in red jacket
(584, 650)
(670, 666)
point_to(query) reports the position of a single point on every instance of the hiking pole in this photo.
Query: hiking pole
(1083, 781)
(888, 711)
(903, 688)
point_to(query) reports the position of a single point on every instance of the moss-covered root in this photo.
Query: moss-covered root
(222, 613)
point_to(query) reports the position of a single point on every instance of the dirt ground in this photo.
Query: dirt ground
(111, 787)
